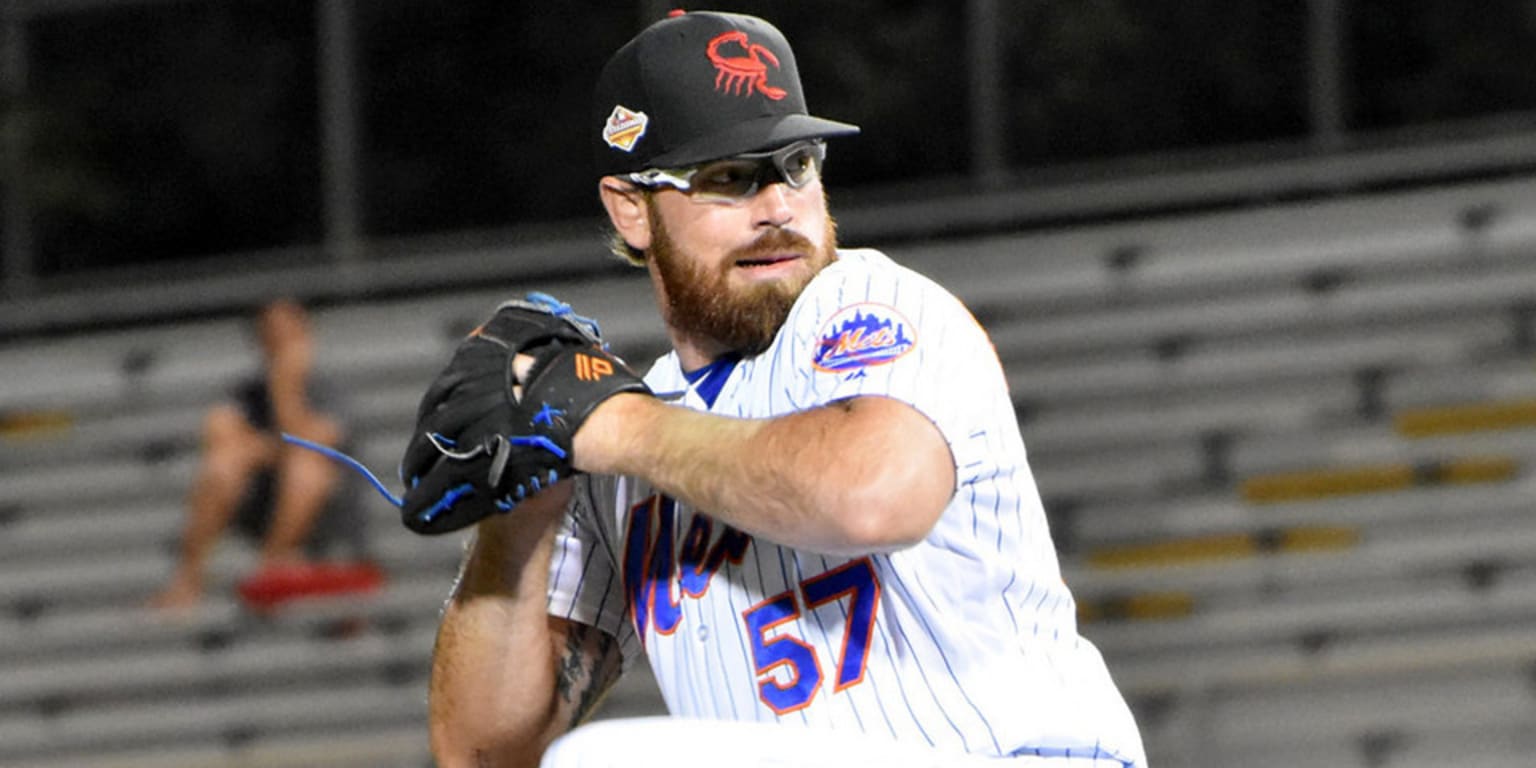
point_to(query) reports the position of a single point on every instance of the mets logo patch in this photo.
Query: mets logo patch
(862, 335)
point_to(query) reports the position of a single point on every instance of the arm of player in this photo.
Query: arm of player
(507, 678)
(866, 474)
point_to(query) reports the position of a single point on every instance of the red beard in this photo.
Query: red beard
(744, 319)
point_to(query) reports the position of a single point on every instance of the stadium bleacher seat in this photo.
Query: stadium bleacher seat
(1287, 451)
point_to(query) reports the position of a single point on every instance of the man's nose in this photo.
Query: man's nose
(771, 205)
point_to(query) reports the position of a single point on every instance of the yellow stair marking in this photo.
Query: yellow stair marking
(1151, 606)
(20, 425)
(1223, 546)
(1323, 483)
(1433, 421)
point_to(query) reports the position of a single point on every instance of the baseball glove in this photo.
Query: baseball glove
(484, 440)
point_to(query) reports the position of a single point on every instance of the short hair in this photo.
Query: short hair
(621, 248)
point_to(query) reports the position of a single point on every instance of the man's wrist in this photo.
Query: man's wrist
(604, 438)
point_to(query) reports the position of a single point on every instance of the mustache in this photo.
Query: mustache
(774, 242)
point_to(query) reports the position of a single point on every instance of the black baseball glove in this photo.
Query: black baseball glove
(480, 446)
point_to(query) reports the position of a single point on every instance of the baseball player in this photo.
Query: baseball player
(814, 516)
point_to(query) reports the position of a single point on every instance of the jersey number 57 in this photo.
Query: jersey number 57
(788, 668)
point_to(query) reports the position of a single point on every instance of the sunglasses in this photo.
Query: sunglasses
(739, 177)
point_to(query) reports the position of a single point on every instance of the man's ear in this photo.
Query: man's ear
(627, 211)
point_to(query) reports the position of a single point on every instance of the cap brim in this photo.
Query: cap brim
(769, 132)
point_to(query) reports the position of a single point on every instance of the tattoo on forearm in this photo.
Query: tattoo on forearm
(570, 663)
(584, 675)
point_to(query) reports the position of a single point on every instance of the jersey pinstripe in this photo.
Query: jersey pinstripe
(966, 642)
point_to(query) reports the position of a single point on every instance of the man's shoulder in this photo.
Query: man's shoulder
(867, 263)
(858, 260)
(863, 273)
(865, 288)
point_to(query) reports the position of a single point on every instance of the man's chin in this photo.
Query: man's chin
(767, 293)
(754, 314)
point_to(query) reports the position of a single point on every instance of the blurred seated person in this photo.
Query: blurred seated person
(297, 506)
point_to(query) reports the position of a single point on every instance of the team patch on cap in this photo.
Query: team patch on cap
(624, 128)
(862, 335)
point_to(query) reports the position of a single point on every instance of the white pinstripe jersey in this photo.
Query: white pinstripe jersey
(967, 641)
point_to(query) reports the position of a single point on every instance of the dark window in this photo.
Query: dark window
(1104, 78)
(475, 113)
(1439, 60)
(170, 130)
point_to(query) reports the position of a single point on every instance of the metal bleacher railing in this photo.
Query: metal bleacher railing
(936, 210)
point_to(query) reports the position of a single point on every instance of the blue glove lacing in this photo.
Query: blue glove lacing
(537, 441)
(559, 308)
(348, 461)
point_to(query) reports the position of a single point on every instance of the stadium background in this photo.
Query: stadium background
(1261, 272)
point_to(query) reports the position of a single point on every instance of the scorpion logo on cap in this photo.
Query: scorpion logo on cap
(743, 75)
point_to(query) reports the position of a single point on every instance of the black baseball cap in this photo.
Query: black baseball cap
(700, 86)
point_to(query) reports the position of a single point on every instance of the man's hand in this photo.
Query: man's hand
(491, 430)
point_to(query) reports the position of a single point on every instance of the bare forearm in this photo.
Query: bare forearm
(492, 697)
(851, 477)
